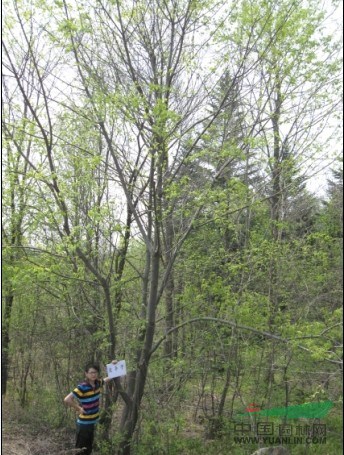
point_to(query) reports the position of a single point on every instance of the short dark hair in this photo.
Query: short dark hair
(90, 365)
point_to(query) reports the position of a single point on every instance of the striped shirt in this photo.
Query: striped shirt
(89, 397)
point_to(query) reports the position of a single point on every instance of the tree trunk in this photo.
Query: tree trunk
(131, 410)
(130, 413)
(5, 342)
(169, 346)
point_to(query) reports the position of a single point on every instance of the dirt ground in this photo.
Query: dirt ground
(18, 441)
(19, 438)
(10, 445)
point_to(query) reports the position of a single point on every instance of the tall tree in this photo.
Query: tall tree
(129, 126)
(150, 76)
(17, 150)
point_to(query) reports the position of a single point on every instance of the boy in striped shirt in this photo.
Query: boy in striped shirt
(85, 400)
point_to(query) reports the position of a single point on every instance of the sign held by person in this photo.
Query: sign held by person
(116, 370)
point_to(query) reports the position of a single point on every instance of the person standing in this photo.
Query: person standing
(85, 400)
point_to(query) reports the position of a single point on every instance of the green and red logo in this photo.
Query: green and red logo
(316, 410)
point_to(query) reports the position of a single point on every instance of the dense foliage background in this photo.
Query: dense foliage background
(162, 165)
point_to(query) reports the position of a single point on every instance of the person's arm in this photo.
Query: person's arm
(72, 403)
(107, 379)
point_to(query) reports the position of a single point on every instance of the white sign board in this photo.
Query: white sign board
(116, 370)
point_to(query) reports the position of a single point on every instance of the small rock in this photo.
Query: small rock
(272, 451)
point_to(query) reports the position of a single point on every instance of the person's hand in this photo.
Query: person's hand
(80, 410)
(107, 379)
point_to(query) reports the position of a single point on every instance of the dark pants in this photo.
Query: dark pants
(84, 438)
